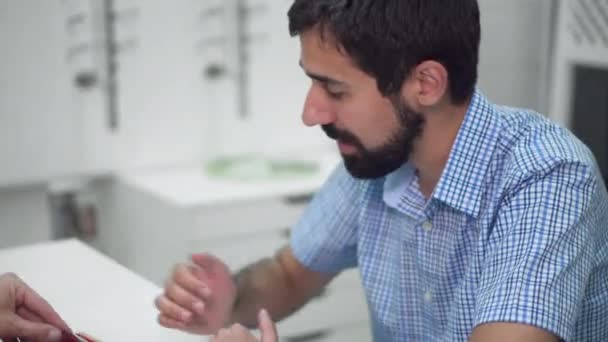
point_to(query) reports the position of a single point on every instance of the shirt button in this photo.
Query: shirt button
(428, 296)
(427, 226)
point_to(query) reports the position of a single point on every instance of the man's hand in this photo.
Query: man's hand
(199, 297)
(238, 333)
(23, 313)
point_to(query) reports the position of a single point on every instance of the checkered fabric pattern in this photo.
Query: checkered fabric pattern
(515, 231)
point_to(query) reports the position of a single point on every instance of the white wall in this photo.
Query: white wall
(36, 115)
(276, 89)
(162, 112)
(514, 58)
(278, 85)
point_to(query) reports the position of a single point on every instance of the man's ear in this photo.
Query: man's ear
(431, 83)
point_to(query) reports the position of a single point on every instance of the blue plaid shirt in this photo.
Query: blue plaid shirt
(516, 230)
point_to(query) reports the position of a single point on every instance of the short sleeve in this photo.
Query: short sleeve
(325, 237)
(541, 252)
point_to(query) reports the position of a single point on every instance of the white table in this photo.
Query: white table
(91, 292)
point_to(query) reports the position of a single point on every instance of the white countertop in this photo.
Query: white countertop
(191, 186)
(91, 292)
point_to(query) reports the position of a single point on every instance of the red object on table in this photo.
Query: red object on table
(78, 337)
(67, 337)
(86, 337)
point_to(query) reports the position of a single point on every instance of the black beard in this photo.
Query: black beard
(379, 162)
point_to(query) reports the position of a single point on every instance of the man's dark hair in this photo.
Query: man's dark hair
(388, 38)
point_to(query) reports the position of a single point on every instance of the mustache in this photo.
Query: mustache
(343, 136)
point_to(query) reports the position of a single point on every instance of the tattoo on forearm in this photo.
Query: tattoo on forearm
(266, 284)
(250, 285)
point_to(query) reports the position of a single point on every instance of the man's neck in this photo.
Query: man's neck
(432, 150)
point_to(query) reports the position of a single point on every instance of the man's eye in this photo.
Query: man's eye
(336, 95)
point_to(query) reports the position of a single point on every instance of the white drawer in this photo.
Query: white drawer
(336, 308)
(357, 332)
(247, 217)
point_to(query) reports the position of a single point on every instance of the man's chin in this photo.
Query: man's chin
(361, 170)
(365, 169)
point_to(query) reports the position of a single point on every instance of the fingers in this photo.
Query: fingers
(267, 327)
(173, 311)
(185, 299)
(191, 279)
(28, 315)
(36, 305)
(34, 331)
(170, 323)
(223, 333)
(184, 295)
(207, 262)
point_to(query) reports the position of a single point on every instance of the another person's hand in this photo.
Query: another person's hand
(23, 313)
(238, 333)
(198, 297)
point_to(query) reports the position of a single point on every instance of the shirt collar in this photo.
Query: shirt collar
(462, 182)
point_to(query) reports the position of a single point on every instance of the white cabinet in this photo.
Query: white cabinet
(173, 210)
(152, 220)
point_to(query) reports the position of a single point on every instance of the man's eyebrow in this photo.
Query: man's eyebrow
(321, 78)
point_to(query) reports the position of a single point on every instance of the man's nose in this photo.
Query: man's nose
(317, 109)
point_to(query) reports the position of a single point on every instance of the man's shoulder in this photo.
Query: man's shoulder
(532, 146)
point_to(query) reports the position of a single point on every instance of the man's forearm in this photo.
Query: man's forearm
(268, 284)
